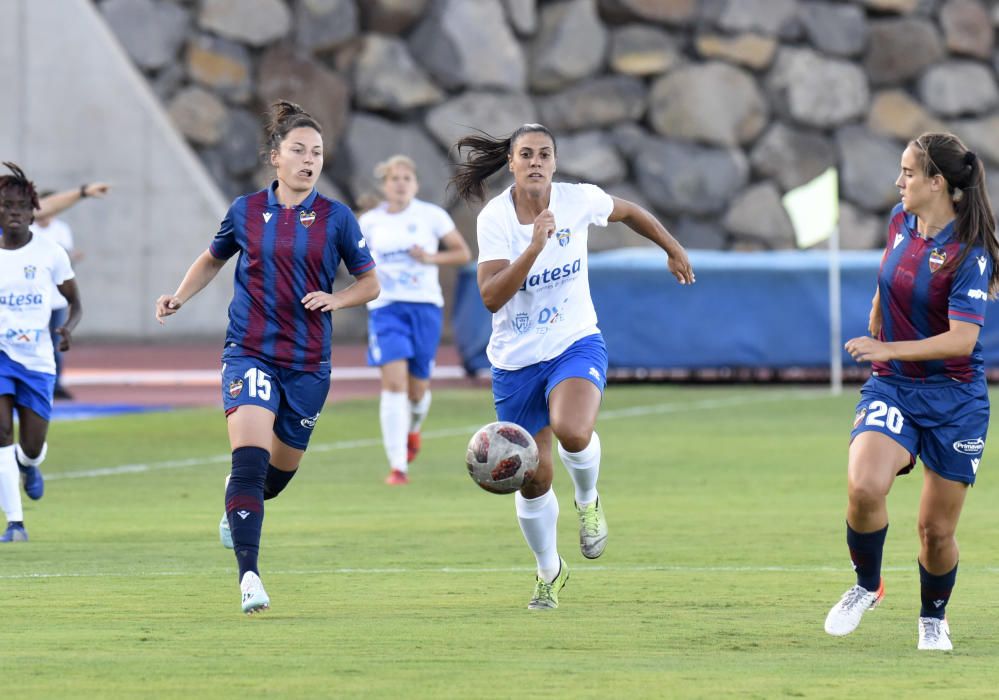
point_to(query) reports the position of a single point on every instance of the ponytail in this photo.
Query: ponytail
(975, 224)
(487, 155)
(281, 119)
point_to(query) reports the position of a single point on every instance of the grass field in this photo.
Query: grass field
(725, 508)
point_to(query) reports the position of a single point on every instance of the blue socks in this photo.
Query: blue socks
(865, 551)
(244, 504)
(934, 591)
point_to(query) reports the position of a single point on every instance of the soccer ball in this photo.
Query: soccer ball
(501, 457)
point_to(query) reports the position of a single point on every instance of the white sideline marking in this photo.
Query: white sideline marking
(465, 570)
(703, 404)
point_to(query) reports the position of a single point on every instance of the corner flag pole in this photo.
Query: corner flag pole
(835, 320)
(813, 209)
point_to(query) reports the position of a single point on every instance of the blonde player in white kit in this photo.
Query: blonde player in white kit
(408, 239)
(32, 270)
(548, 356)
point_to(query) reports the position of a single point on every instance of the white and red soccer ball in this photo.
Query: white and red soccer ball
(501, 457)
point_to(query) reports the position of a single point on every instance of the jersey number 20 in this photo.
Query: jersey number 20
(882, 415)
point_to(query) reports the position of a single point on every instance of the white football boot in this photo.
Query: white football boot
(934, 634)
(845, 615)
(254, 596)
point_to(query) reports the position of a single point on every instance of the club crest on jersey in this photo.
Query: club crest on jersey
(861, 414)
(562, 235)
(981, 264)
(307, 217)
(937, 258)
(29, 272)
(522, 323)
(235, 386)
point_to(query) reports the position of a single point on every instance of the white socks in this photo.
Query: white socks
(584, 468)
(394, 414)
(418, 411)
(10, 485)
(28, 461)
(538, 518)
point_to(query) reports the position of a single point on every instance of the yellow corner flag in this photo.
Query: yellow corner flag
(814, 208)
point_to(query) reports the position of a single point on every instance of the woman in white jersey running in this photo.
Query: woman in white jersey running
(548, 356)
(33, 270)
(408, 239)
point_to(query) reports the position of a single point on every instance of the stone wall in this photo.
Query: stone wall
(706, 112)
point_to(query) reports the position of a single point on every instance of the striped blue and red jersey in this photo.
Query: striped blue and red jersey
(922, 290)
(286, 253)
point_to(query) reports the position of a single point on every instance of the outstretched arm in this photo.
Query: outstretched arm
(201, 272)
(644, 224)
(60, 201)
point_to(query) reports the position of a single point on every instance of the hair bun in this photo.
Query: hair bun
(970, 157)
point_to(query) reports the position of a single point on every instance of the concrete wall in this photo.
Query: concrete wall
(76, 110)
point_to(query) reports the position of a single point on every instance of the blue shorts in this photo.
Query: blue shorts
(294, 397)
(29, 388)
(945, 425)
(521, 395)
(405, 331)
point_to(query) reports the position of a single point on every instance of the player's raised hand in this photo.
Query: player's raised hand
(96, 189)
(544, 227)
(167, 305)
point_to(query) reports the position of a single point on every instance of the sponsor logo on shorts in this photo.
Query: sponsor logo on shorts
(970, 447)
(974, 465)
(309, 422)
(595, 373)
(235, 386)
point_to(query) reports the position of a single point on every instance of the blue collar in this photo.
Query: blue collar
(272, 200)
(945, 234)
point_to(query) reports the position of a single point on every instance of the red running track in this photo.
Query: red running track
(188, 374)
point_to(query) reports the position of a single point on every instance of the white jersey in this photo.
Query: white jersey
(552, 309)
(60, 232)
(28, 279)
(389, 238)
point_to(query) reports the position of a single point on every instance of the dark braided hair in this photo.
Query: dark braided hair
(487, 154)
(20, 183)
(282, 118)
(945, 155)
